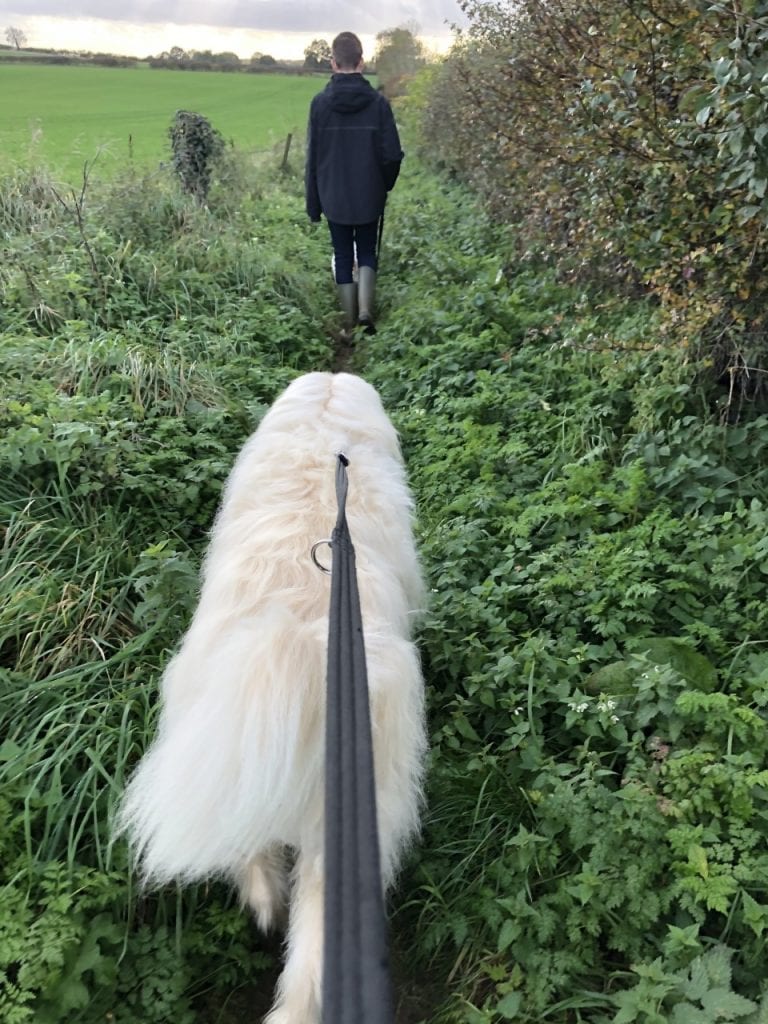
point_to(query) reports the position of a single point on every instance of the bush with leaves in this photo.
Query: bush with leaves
(594, 645)
(196, 147)
(399, 55)
(629, 142)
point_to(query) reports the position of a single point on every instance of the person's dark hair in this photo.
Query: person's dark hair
(347, 50)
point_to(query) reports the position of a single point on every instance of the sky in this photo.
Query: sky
(282, 28)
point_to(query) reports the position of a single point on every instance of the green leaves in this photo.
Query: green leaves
(594, 542)
(120, 420)
(701, 994)
(509, 1007)
(629, 146)
(196, 147)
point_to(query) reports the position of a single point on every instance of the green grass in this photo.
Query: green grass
(63, 116)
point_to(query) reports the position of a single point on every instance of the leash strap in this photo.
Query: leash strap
(356, 977)
(378, 240)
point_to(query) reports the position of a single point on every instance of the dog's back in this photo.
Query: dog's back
(237, 765)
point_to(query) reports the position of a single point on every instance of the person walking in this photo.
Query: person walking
(353, 160)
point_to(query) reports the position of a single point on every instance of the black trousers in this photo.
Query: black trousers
(350, 241)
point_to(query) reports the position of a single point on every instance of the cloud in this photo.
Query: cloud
(326, 17)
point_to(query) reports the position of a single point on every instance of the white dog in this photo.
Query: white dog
(235, 775)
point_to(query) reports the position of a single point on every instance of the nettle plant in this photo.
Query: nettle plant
(594, 644)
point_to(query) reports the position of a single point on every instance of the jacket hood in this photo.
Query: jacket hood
(350, 93)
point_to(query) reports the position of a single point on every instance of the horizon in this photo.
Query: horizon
(140, 39)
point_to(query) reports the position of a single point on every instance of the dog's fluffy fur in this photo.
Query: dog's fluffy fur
(235, 775)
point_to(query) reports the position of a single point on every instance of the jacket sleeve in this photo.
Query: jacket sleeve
(390, 151)
(311, 193)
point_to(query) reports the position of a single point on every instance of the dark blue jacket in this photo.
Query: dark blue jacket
(353, 152)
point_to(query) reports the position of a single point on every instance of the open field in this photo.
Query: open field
(62, 116)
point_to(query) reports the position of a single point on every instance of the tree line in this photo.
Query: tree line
(180, 59)
(398, 55)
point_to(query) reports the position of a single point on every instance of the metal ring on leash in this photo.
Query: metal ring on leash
(313, 553)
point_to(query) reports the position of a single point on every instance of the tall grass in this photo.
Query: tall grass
(141, 338)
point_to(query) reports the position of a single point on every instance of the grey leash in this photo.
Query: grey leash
(357, 986)
(378, 240)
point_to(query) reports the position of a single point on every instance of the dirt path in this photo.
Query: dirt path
(416, 999)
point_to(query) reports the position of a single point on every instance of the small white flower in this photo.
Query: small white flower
(615, 719)
(578, 708)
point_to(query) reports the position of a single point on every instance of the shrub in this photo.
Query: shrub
(196, 148)
(628, 142)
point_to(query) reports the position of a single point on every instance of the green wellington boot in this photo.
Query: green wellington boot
(348, 300)
(366, 293)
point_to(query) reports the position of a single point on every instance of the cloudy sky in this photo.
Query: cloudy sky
(280, 27)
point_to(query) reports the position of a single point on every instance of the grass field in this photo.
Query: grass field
(63, 116)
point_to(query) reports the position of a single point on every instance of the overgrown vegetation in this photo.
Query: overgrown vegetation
(595, 645)
(628, 140)
(196, 146)
(594, 535)
(142, 336)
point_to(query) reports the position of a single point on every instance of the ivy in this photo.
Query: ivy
(196, 147)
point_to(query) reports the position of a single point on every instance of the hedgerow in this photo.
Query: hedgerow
(627, 141)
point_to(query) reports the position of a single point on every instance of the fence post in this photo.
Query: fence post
(288, 141)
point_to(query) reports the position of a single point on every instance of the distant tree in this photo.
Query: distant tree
(176, 53)
(15, 37)
(317, 55)
(399, 55)
(227, 61)
(260, 61)
(201, 60)
(263, 59)
(176, 58)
